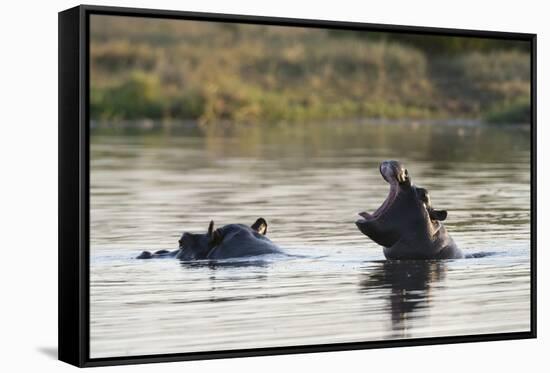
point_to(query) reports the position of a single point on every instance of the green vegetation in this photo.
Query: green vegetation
(212, 73)
(514, 112)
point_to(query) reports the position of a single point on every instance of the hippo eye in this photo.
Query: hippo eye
(424, 197)
(186, 237)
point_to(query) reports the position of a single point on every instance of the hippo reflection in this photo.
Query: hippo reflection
(409, 283)
(229, 241)
(406, 224)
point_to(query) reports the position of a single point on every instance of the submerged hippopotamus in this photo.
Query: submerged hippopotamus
(406, 224)
(229, 241)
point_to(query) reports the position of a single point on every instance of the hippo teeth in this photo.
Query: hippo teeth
(365, 215)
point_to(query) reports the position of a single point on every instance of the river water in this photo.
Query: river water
(308, 182)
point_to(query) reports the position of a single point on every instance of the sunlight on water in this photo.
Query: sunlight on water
(309, 184)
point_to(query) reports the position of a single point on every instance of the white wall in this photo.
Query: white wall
(28, 182)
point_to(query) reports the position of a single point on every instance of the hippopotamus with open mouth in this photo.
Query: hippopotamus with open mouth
(406, 224)
(229, 241)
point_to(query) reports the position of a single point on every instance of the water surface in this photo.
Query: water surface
(308, 183)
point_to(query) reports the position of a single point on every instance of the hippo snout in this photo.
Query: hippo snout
(393, 171)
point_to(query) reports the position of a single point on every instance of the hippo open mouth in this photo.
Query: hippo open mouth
(406, 224)
(384, 207)
(396, 175)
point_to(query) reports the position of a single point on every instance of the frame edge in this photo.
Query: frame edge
(534, 185)
(72, 102)
(69, 248)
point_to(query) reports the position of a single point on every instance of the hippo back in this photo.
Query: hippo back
(241, 241)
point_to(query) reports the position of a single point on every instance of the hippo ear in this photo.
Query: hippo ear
(424, 196)
(440, 215)
(214, 236)
(260, 226)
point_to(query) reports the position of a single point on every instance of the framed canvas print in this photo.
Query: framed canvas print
(234, 186)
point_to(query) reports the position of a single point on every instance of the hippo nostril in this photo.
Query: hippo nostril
(383, 167)
(387, 171)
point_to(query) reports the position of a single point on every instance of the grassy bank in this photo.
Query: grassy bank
(144, 68)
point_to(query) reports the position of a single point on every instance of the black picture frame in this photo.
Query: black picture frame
(74, 205)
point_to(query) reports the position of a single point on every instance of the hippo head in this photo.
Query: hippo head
(406, 214)
(200, 245)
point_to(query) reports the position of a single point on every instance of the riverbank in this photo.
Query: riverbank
(216, 73)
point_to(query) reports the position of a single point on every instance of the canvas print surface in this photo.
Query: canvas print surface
(264, 186)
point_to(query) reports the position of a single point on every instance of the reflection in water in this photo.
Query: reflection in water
(215, 264)
(308, 182)
(409, 283)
